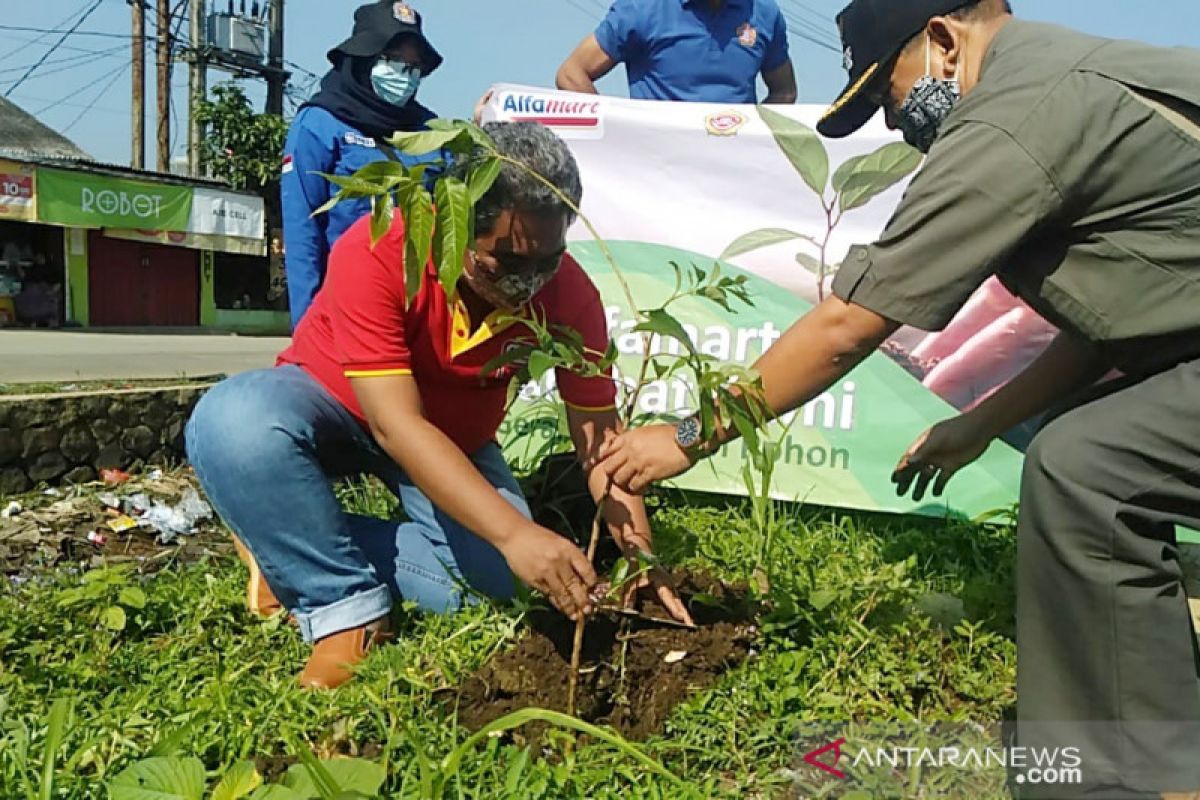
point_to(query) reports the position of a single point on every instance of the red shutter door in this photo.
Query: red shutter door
(133, 284)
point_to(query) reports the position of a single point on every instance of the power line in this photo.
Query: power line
(116, 76)
(66, 21)
(578, 6)
(74, 61)
(69, 32)
(76, 92)
(54, 47)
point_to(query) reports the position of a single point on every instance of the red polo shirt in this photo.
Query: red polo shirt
(358, 327)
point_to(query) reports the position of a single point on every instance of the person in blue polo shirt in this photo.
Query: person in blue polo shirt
(691, 50)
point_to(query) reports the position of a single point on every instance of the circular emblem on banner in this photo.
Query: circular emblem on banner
(747, 35)
(724, 123)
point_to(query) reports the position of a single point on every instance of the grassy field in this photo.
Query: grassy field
(869, 618)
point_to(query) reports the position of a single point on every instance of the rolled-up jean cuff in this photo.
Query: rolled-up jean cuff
(343, 615)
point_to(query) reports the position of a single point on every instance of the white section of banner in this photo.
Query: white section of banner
(697, 176)
(217, 213)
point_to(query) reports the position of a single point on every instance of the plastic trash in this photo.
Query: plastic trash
(109, 500)
(156, 475)
(97, 538)
(136, 504)
(172, 522)
(11, 510)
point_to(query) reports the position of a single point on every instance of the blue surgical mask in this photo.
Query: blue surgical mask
(395, 81)
(927, 106)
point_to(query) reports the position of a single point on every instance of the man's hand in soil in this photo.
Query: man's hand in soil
(554, 566)
(634, 544)
(637, 458)
(624, 512)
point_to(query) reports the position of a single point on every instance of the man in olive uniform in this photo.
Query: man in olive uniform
(1069, 166)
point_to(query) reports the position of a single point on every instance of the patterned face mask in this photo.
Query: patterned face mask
(512, 290)
(927, 106)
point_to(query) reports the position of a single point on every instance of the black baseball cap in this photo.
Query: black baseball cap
(873, 33)
(377, 24)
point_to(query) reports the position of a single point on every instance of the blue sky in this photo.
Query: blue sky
(484, 41)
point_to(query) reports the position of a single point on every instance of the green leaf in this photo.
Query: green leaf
(133, 597)
(450, 764)
(757, 240)
(822, 599)
(276, 792)
(382, 213)
(802, 147)
(539, 364)
(620, 572)
(510, 356)
(453, 231)
(382, 172)
(241, 779)
(348, 775)
(661, 322)
(811, 264)
(352, 185)
(512, 782)
(483, 177)
(160, 779)
(419, 143)
(56, 731)
(416, 206)
(861, 179)
(113, 618)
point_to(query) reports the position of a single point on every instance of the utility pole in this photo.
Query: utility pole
(138, 160)
(197, 84)
(163, 23)
(277, 77)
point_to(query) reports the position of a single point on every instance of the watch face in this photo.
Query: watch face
(687, 433)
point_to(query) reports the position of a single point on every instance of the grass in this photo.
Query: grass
(80, 387)
(189, 673)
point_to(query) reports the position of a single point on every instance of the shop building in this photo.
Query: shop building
(96, 245)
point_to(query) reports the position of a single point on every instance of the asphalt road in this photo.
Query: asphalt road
(51, 356)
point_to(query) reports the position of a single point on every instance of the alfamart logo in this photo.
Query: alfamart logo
(1033, 766)
(566, 115)
(112, 203)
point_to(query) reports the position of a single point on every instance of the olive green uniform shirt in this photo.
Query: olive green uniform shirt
(1071, 171)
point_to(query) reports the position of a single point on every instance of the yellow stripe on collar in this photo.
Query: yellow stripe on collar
(851, 93)
(461, 340)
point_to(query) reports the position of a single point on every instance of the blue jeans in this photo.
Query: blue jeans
(267, 446)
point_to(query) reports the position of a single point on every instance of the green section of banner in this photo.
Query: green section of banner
(89, 200)
(839, 450)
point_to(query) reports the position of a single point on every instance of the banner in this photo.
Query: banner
(682, 182)
(193, 241)
(17, 191)
(93, 200)
(218, 213)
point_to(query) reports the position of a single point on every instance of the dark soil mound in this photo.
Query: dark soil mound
(634, 670)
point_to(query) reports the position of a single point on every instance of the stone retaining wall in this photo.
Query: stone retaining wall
(69, 438)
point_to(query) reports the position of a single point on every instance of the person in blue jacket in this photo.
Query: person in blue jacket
(368, 95)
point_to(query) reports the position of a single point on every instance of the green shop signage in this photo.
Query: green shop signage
(89, 200)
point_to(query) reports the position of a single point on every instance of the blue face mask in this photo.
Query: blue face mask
(395, 81)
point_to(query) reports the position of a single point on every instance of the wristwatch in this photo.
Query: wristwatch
(687, 434)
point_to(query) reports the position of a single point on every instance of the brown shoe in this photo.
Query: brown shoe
(260, 600)
(334, 657)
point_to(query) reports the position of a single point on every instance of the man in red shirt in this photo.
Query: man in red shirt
(372, 386)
